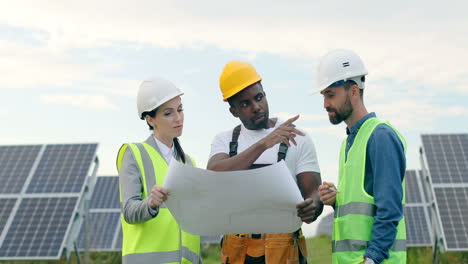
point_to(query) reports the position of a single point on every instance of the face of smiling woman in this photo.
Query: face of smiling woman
(168, 122)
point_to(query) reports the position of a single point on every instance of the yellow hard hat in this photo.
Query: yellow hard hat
(236, 76)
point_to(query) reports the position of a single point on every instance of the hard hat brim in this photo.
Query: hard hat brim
(163, 101)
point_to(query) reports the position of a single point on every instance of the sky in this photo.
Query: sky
(70, 70)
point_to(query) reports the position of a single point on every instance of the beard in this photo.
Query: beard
(341, 114)
(252, 125)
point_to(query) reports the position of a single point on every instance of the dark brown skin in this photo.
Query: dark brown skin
(251, 107)
(311, 207)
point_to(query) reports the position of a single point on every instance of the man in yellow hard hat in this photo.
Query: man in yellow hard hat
(260, 141)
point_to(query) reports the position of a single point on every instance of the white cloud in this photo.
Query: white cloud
(192, 71)
(81, 100)
(302, 117)
(127, 88)
(330, 130)
(25, 66)
(397, 40)
(416, 114)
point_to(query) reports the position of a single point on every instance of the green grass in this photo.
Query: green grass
(318, 248)
(211, 254)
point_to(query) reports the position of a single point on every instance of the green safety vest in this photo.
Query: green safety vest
(355, 208)
(159, 240)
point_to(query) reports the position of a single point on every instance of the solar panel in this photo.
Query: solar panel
(446, 159)
(106, 193)
(102, 230)
(104, 222)
(417, 228)
(39, 207)
(39, 227)
(452, 203)
(118, 243)
(63, 168)
(16, 163)
(418, 232)
(5, 211)
(413, 190)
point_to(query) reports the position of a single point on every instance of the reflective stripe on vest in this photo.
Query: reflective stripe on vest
(356, 245)
(162, 257)
(158, 240)
(355, 208)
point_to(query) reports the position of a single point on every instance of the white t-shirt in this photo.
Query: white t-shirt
(300, 158)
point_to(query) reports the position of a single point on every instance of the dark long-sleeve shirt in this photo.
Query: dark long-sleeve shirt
(385, 170)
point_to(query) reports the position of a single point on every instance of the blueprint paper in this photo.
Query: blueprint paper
(206, 202)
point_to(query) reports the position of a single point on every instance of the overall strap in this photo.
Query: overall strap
(283, 148)
(233, 144)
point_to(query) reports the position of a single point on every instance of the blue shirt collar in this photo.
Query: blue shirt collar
(355, 128)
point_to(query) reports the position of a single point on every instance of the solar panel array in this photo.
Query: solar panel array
(104, 222)
(446, 160)
(43, 187)
(418, 231)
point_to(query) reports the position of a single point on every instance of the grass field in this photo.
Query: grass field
(318, 247)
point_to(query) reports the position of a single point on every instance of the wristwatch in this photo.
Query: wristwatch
(368, 261)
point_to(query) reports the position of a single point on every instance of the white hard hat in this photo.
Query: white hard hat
(153, 93)
(338, 66)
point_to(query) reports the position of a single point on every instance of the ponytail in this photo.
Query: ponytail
(179, 150)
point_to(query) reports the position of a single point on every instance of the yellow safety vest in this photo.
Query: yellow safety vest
(355, 208)
(159, 240)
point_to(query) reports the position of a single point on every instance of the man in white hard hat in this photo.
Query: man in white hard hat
(369, 225)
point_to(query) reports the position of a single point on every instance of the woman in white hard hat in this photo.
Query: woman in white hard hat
(150, 232)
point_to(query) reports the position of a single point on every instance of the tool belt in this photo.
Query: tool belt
(282, 248)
